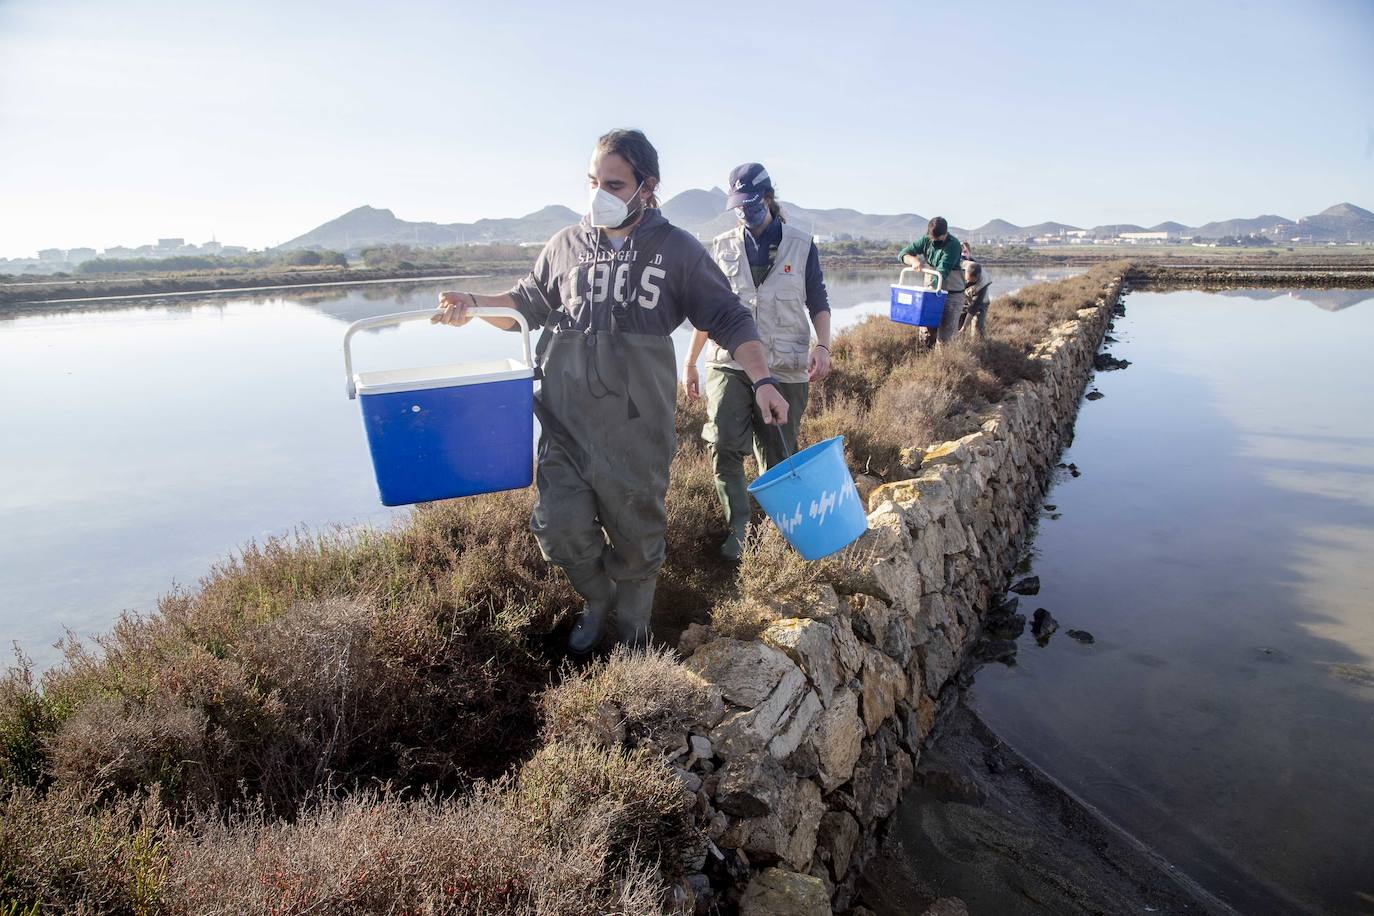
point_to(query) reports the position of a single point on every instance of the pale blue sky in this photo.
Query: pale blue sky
(121, 122)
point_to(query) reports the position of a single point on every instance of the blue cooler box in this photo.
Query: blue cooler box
(446, 431)
(438, 432)
(921, 307)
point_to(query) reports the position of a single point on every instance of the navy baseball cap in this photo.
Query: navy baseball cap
(746, 182)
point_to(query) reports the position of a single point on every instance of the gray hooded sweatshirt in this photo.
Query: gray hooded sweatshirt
(660, 276)
(609, 386)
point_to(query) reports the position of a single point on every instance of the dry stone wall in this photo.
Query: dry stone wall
(816, 727)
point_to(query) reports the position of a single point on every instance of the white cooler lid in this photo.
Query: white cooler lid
(449, 375)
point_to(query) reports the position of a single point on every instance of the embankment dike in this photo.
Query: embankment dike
(818, 723)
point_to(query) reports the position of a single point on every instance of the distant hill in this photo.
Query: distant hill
(1260, 225)
(1049, 229)
(703, 212)
(1112, 230)
(1341, 223)
(367, 226)
(994, 229)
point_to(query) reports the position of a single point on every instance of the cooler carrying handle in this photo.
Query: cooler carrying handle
(939, 277)
(382, 321)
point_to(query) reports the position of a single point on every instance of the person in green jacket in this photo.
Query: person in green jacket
(940, 251)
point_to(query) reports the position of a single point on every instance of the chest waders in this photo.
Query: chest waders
(607, 439)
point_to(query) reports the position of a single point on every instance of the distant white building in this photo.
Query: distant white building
(77, 255)
(1145, 236)
(173, 244)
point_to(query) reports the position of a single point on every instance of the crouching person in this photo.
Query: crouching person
(776, 271)
(609, 292)
(977, 293)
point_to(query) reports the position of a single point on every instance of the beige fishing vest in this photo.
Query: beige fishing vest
(778, 306)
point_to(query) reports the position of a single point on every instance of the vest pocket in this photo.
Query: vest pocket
(790, 354)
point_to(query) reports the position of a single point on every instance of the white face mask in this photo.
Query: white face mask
(608, 211)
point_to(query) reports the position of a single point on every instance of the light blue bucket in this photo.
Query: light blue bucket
(812, 499)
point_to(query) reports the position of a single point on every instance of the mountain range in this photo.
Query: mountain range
(703, 213)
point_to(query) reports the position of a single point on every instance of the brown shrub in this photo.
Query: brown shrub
(373, 854)
(694, 575)
(630, 697)
(864, 355)
(63, 851)
(773, 582)
(631, 797)
(28, 718)
(934, 398)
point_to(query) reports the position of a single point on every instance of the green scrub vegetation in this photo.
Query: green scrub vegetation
(381, 720)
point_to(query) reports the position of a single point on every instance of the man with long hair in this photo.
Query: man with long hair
(609, 292)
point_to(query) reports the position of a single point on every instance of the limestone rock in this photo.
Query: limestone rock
(866, 484)
(748, 731)
(809, 809)
(838, 739)
(884, 683)
(787, 834)
(1006, 627)
(938, 662)
(811, 645)
(848, 648)
(899, 492)
(838, 833)
(745, 672)
(959, 452)
(791, 735)
(884, 770)
(751, 786)
(946, 906)
(774, 892)
(1043, 624)
(694, 637)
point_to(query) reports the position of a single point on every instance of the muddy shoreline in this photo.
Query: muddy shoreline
(983, 824)
(1210, 277)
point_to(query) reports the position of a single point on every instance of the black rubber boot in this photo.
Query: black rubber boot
(633, 607)
(733, 545)
(599, 592)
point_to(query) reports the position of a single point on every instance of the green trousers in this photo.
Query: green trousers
(735, 425)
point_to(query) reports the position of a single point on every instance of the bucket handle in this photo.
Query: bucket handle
(791, 458)
(939, 277)
(382, 321)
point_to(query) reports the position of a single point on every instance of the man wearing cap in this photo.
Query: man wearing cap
(775, 270)
(940, 251)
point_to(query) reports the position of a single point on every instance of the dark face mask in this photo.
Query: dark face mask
(753, 214)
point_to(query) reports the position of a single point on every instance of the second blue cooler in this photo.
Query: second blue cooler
(918, 305)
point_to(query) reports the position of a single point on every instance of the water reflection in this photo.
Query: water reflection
(1329, 300)
(1217, 546)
